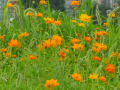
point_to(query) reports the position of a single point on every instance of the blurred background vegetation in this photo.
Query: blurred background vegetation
(55, 4)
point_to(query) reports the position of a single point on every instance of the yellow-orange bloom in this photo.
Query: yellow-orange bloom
(43, 2)
(85, 18)
(106, 24)
(74, 41)
(118, 56)
(78, 47)
(96, 58)
(113, 15)
(75, 2)
(88, 39)
(24, 34)
(39, 14)
(97, 47)
(9, 5)
(4, 50)
(101, 33)
(14, 43)
(29, 14)
(81, 24)
(77, 77)
(13, 56)
(31, 57)
(102, 78)
(51, 83)
(22, 59)
(2, 37)
(57, 22)
(56, 41)
(93, 76)
(113, 54)
(74, 21)
(110, 68)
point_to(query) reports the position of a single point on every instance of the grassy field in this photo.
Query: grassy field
(41, 49)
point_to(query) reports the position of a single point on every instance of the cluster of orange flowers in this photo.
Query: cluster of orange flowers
(97, 47)
(6, 53)
(96, 77)
(77, 45)
(52, 21)
(54, 42)
(14, 43)
(110, 68)
(75, 3)
(100, 33)
(24, 34)
(36, 15)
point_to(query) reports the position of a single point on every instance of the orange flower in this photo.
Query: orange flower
(101, 33)
(7, 55)
(77, 77)
(96, 58)
(2, 37)
(13, 56)
(56, 41)
(113, 54)
(4, 50)
(97, 47)
(113, 15)
(110, 68)
(43, 2)
(74, 21)
(85, 18)
(9, 5)
(88, 39)
(49, 20)
(106, 24)
(57, 22)
(24, 34)
(76, 3)
(102, 78)
(78, 47)
(47, 43)
(29, 14)
(31, 57)
(118, 56)
(39, 14)
(22, 59)
(14, 43)
(74, 41)
(51, 83)
(93, 76)
(41, 46)
(62, 55)
(81, 24)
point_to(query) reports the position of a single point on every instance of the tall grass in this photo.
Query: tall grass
(31, 74)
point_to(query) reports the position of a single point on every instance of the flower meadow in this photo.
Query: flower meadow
(43, 49)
